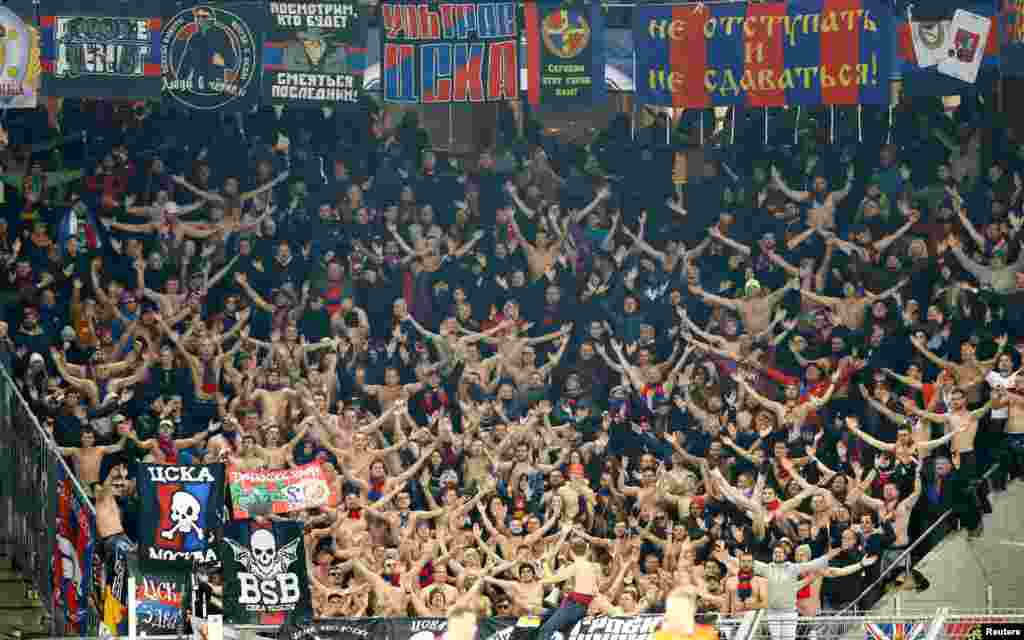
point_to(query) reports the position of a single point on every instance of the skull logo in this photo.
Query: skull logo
(264, 551)
(185, 509)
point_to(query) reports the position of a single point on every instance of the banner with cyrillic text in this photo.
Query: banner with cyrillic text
(262, 492)
(447, 52)
(306, 57)
(210, 55)
(769, 54)
(181, 508)
(109, 51)
(565, 53)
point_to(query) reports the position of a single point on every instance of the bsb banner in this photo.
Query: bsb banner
(111, 51)
(945, 57)
(161, 597)
(265, 579)
(565, 54)
(73, 557)
(306, 58)
(181, 508)
(1012, 62)
(769, 54)
(450, 52)
(21, 64)
(255, 493)
(210, 55)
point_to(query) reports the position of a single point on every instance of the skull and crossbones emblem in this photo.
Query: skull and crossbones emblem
(263, 558)
(185, 510)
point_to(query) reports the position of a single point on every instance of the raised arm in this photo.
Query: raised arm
(934, 359)
(797, 196)
(248, 195)
(717, 234)
(851, 424)
(199, 193)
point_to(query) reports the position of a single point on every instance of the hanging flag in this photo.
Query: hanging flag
(279, 491)
(211, 55)
(80, 222)
(1012, 32)
(162, 595)
(181, 509)
(22, 70)
(265, 579)
(897, 631)
(307, 56)
(75, 538)
(110, 49)
(949, 52)
(565, 57)
(114, 616)
(766, 54)
(449, 52)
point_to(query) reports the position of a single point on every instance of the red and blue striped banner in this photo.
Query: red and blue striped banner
(771, 54)
(101, 50)
(446, 52)
(1012, 49)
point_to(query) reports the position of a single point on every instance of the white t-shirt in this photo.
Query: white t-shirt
(997, 380)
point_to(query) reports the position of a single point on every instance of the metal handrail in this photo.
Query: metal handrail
(899, 562)
(50, 443)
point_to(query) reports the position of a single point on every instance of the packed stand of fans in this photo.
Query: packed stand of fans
(805, 356)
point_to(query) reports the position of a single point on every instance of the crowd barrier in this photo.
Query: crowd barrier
(47, 522)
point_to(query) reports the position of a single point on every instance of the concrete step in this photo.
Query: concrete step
(13, 589)
(26, 633)
(11, 617)
(6, 562)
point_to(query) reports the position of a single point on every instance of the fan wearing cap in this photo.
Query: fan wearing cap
(101, 389)
(756, 309)
(576, 494)
(165, 449)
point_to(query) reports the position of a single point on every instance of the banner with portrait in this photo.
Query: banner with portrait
(265, 580)
(307, 54)
(109, 51)
(265, 491)
(210, 55)
(765, 54)
(181, 509)
(20, 61)
(565, 55)
(437, 53)
(950, 51)
(74, 544)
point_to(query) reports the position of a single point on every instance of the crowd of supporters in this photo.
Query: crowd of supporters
(763, 378)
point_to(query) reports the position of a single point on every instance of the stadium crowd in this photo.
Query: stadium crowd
(762, 378)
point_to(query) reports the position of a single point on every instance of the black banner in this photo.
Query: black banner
(565, 53)
(110, 50)
(264, 573)
(210, 55)
(306, 58)
(181, 511)
(162, 595)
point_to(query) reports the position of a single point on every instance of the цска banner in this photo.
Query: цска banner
(265, 579)
(181, 506)
(565, 54)
(210, 55)
(802, 52)
(111, 51)
(447, 52)
(306, 55)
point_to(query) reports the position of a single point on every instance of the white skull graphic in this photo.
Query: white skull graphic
(185, 509)
(264, 549)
